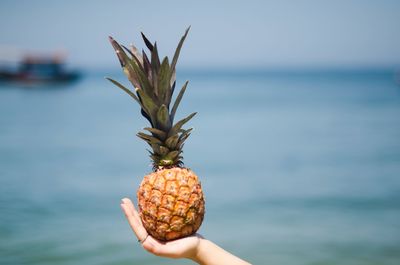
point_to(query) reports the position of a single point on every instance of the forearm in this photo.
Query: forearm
(209, 253)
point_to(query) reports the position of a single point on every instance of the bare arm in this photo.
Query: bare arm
(195, 247)
(209, 253)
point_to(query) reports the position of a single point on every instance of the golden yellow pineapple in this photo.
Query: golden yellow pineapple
(171, 201)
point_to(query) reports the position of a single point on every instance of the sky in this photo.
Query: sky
(273, 34)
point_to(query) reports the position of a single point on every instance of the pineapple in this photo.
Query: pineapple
(171, 201)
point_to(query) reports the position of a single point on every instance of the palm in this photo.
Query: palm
(180, 248)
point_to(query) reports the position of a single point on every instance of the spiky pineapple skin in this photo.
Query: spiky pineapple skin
(171, 203)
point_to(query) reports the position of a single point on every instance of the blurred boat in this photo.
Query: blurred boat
(34, 69)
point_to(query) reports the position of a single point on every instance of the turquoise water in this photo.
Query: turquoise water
(297, 168)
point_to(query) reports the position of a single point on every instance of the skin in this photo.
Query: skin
(194, 247)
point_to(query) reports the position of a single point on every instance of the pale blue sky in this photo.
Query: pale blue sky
(231, 33)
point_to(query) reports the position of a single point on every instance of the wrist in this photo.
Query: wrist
(198, 255)
(208, 253)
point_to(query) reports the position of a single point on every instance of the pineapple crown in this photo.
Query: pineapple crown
(154, 84)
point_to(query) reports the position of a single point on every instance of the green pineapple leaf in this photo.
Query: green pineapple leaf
(147, 42)
(173, 155)
(178, 50)
(155, 59)
(148, 105)
(179, 124)
(124, 61)
(178, 100)
(147, 68)
(136, 55)
(130, 93)
(157, 133)
(163, 150)
(163, 81)
(150, 139)
(163, 120)
(172, 141)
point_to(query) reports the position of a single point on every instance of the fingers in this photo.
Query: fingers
(133, 218)
(131, 207)
(152, 246)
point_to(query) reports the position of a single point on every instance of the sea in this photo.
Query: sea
(298, 167)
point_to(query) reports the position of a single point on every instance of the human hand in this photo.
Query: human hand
(180, 248)
(193, 247)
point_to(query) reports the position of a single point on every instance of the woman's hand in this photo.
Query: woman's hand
(193, 247)
(181, 248)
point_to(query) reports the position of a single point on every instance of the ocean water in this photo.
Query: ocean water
(297, 168)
